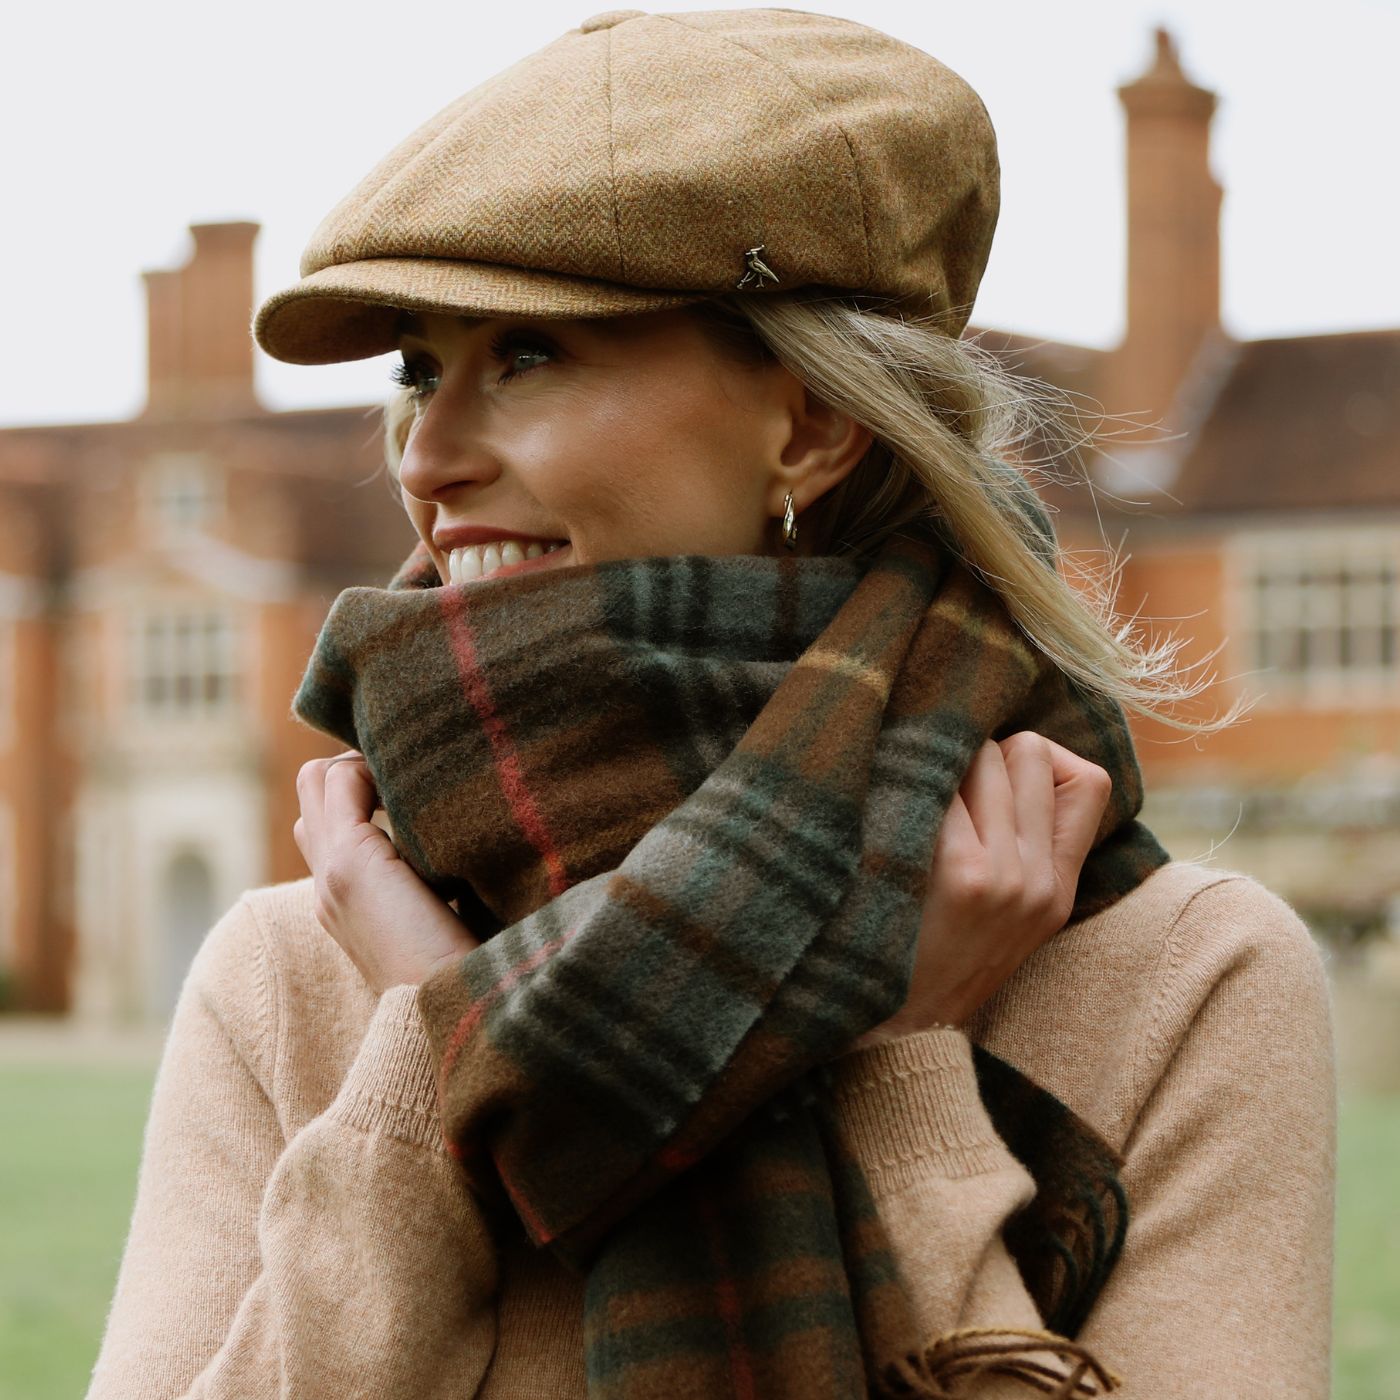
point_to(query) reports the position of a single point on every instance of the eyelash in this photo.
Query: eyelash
(409, 374)
(514, 342)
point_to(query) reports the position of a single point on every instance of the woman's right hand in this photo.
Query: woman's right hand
(1005, 868)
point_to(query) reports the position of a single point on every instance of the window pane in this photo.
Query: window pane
(184, 659)
(1334, 612)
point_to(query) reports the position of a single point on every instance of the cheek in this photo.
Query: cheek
(602, 454)
(713, 447)
(568, 457)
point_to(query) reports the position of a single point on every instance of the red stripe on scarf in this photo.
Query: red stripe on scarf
(463, 1029)
(472, 1018)
(676, 1159)
(469, 1022)
(539, 1232)
(727, 1303)
(508, 769)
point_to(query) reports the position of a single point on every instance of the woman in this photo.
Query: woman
(651, 1051)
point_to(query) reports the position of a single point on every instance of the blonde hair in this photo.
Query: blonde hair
(950, 425)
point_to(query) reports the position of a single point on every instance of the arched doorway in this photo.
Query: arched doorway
(187, 914)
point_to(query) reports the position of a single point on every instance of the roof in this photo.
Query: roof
(1300, 423)
(1076, 368)
(334, 510)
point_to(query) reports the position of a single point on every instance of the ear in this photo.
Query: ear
(823, 446)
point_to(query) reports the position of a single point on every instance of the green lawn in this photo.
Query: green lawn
(1367, 1341)
(68, 1157)
(72, 1140)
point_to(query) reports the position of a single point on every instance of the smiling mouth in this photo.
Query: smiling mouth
(477, 562)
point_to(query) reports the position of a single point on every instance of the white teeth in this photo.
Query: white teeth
(481, 560)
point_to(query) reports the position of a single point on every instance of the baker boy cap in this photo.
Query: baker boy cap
(643, 161)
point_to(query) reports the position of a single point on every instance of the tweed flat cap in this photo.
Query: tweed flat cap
(649, 160)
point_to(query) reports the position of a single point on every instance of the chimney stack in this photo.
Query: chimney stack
(199, 349)
(1173, 236)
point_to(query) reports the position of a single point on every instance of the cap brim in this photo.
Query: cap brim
(351, 311)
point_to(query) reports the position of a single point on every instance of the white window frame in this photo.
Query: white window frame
(180, 491)
(1327, 595)
(9, 681)
(185, 662)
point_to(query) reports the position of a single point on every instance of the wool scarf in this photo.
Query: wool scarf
(689, 805)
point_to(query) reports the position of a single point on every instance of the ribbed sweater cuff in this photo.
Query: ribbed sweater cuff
(910, 1110)
(391, 1087)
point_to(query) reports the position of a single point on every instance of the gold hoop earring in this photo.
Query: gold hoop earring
(789, 523)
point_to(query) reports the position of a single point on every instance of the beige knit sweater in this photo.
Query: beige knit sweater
(299, 1231)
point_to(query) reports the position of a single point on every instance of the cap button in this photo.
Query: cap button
(609, 18)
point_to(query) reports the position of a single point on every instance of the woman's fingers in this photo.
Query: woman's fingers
(986, 789)
(957, 846)
(349, 792)
(386, 919)
(311, 795)
(1032, 779)
(1034, 807)
(330, 803)
(1082, 792)
(1005, 869)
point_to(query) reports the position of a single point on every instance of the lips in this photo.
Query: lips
(449, 537)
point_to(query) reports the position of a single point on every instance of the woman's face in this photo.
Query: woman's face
(617, 438)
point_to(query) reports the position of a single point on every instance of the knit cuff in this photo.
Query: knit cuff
(909, 1109)
(391, 1088)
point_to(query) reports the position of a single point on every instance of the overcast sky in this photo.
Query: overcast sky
(121, 124)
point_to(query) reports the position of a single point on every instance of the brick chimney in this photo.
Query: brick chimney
(199, 350)
(1173, 236)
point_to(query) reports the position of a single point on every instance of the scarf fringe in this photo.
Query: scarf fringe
(969, 1352)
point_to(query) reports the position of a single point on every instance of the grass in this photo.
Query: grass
(1367, 1337)
(68, 1177)
(71, 1146)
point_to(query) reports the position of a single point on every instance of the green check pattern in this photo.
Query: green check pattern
(689, 804)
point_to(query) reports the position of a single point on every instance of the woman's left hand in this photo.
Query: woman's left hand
(368, 898)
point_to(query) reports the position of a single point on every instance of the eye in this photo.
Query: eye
(417, 376)
(520, 352)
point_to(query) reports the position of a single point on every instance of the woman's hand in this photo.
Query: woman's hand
(368, 898)
(1005, 868)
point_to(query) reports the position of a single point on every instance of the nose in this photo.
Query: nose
(443, 451)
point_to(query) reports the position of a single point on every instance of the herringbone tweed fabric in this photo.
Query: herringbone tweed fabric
(690, 805)
(636, 161)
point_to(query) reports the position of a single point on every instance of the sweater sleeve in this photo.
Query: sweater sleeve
(1225, 1282)
(349, 1260)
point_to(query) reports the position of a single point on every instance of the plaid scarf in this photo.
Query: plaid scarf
(689, 804)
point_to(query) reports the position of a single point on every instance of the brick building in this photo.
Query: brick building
(1263, 512)
(162, 580)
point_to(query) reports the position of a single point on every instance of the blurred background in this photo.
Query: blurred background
(1197, 240)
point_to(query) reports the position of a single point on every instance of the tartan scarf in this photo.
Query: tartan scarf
(689, 805)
